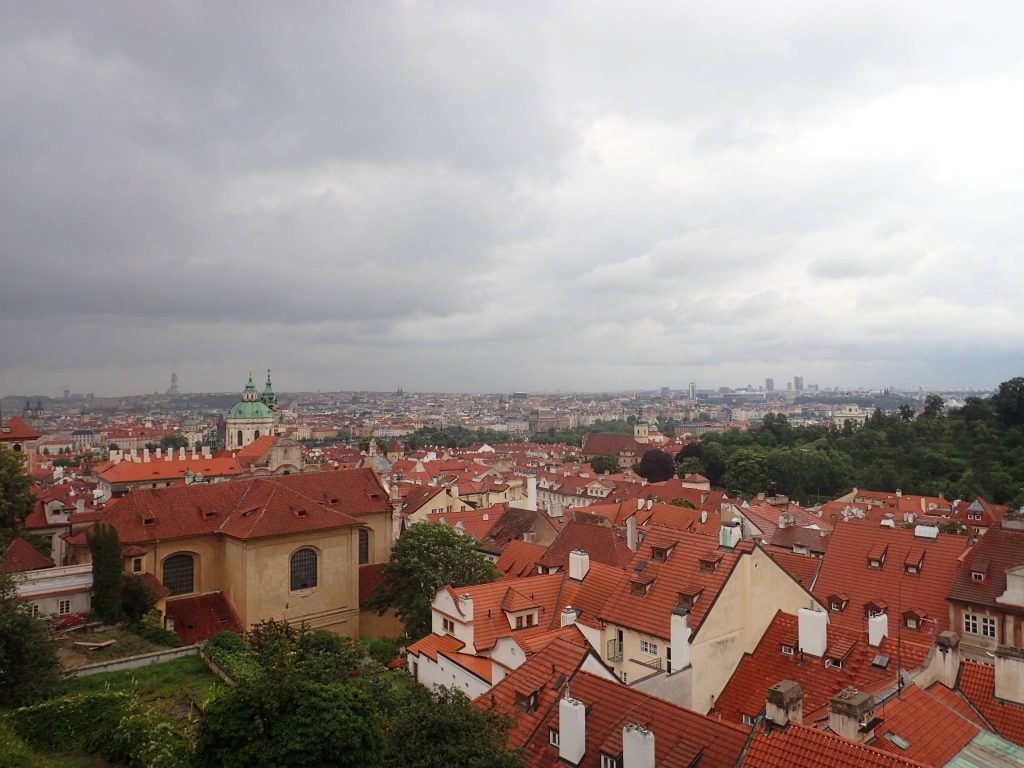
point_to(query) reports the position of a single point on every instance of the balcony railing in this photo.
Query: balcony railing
(614, 650)
(654, 664)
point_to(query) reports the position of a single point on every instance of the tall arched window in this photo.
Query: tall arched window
(256, 435)
(238, 443)
(179, 574)
(364, 546)
(303, 569)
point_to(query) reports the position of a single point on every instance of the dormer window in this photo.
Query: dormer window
(448, 625)
(659, 554)
(640, 586)
(875, 608)
(527, 701)
(833, 663)
(687, 599)
(838, 603)
(709, 563)
(977, 576)
(787, 650)
(912, 619)
(876, 557)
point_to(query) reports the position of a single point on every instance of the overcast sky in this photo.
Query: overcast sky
(487, 197)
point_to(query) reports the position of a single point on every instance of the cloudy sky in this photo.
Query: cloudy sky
(496, 196)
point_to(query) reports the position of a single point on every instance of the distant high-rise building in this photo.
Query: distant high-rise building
(693, 390)
(798, 383)
(664, 391)
(174, 383)
(769, 385)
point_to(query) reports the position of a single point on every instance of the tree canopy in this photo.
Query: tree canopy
(425, 558)
(16, 498)
(105, 547)
(603, 464)
(29, 669)
(656, 466)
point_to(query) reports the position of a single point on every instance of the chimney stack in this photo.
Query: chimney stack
(851, 714)
(1010, 674)
(812, 629)
(466, 606)
(878, 629)
(579, 565)
(679, 638)
(631, 532)
(637, 746)
(568, 616)
(730, 534)
(784, 703)
(947, 646)
(572, 730)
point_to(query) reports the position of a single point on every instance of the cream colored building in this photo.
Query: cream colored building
(251, 417)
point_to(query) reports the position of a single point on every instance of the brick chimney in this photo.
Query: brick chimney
(851, 714)
(784, 703)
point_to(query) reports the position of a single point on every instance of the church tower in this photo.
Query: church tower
(269, 398)
(249, 419)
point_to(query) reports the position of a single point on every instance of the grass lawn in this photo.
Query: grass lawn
(171, 688)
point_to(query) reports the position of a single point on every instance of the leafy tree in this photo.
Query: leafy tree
(105, 547)
(933, 405)
(173, 441)
(1009, 401)
(684, 503)
(656, 466)
(16, 500)
(136, 598)
(714, 460)
(906, 412)
(279, 720)
(604, 464)
(692, 449)
(425, 558)
(29, 668)
(442, 728)
(691, 465)
(747, 471)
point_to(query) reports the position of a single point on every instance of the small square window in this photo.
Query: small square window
(448, 625)
(977, 576)
(748, 720)
(787, 650)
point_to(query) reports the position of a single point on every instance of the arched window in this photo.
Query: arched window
(179, 574)
(364, 546)
(238, 443)
(256, 435)
(303, 569)
(16, 447)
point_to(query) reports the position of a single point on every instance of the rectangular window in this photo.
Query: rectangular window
(977, 576)
(648, 648)
(35, 609)
(988, 627)
(624, 676)
(449, 626)
(787, 650)
(137, 565)
(519, 622)
(836, 606)
(553, 737)
(747, 720)
(64, 607)
(607, 761)
(970, 624)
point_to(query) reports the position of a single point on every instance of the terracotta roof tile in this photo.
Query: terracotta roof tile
(799, 747)
(977, 684)
(519, 558)
(602, 543)
(200, 617)
(22, 556)
(999, 550)
(934, 732)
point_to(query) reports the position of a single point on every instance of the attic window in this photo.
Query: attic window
(899, 741)
(880, 661)
(787, 650)
(833, 663)
(688, 599)
(838, 603)
(708, 564)
(876, 557)
(639, 588)
(148, 521)
(977, 576)
(526, 702)
(911, 568)
(875, 608)
(659, 554)
(300, 513)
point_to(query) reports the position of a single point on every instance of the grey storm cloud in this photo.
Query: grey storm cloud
(449, 195)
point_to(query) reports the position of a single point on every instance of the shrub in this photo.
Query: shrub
(155, 634)
(228, 642)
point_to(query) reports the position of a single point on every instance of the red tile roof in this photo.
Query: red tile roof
(744, 694)
(799, 747)
(682, 738)
(200, 617)
(251, 508)
(801, 567)
(845, 569)
(978, 685)
(432, 644)
(934, 731)
(602, 543)
(682, 571)
(161, 470)
(519, 558)
(609, 445)
(999, 550)
(17, 429)
(22, 556)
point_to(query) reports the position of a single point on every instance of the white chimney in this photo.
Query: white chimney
(639, 504)
(159, 453)
(79, 506)
(181, 454)
(531, 493)
(878, 629)
(466, 606)
(1010, 674)
(650, 503)
(206, 451)
(572, 730)
(679, 638)
(811, 633)
(579, 565)
(631, 532)
(568, 616)
(730, 534)
(849, 714)
(947, 646)
(145, 456)
(169, 456)
(703, 516)
(637, 747)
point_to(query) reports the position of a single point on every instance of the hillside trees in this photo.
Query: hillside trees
(105, 547)
(29, 669)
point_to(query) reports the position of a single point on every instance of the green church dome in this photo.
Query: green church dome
(252, 409)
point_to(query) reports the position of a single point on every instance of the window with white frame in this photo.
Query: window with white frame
(35, 609)
(607, 761)
(970, 624)
(553, 737)
(448, 625)
(977, 576)
(988, 626)
(648, 648)
(624, 676)
(64, 607)
(787, 650)
(748, 720)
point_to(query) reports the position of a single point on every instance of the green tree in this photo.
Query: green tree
(16, 500)
(283, 720)
(603, 464)
(29, 668)
(933, 405)
(173, 441)
(136, 598)
(656, 466)
(442, 728)
(691, 465)
(1009, 401)
(425, 558)
(747, 471)
(714, 460)
(105, 547)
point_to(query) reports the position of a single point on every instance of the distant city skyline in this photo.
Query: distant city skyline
(462, 197)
